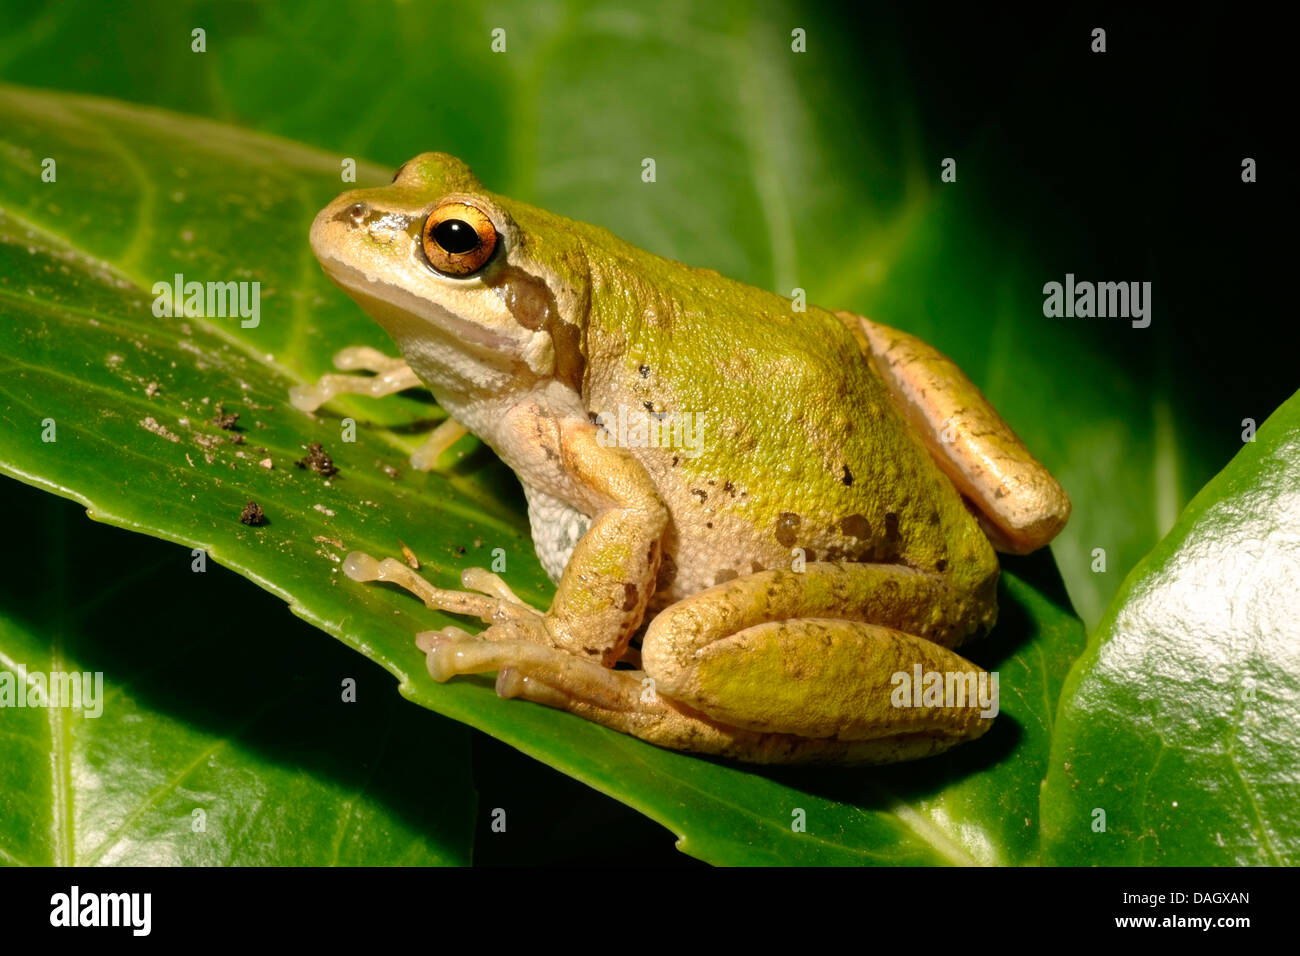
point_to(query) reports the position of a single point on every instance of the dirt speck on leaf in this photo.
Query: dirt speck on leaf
(151, 424)
(253, 515)
(318, 461)
(227, 422)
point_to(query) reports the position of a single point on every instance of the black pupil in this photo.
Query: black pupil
(456, 236)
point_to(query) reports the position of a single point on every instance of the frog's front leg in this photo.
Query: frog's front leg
(493, 604)
(610, 577)
(391, 375)
(603, 592)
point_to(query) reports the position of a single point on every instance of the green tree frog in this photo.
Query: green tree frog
(756, 517)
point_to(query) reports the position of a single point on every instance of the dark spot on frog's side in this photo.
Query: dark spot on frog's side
(645, 371)
(941, 565)
(787, 528)
(891, 526)
(856, 526)
(847, 478)
(629, 596)
(704, 495)
(667, 573)
(726, 574)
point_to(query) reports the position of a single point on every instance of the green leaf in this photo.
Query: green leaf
(142, 195)
(1179, 723)
(212, 733)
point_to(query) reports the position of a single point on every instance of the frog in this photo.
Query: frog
(760, 517)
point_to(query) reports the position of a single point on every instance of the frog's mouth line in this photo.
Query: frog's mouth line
(363, 289)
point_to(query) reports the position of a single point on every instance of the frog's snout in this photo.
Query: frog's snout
(348, 211)
(320, 226)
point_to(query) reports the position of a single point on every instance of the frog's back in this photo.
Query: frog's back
(799, 442)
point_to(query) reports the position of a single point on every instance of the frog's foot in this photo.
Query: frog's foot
(391, 375)
(489, 598)
(520, 662)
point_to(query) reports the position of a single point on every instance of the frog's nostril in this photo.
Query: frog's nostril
(354, 214)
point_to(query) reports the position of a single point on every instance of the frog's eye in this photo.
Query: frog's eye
(458, 238)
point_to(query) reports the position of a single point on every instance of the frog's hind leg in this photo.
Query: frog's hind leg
(624, 700)
(1021, 506)
(760, 669)
(391, 375)
(820, 678)
(629, 701)
(784, 652)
